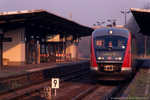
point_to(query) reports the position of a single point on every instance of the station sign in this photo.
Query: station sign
(7, 39)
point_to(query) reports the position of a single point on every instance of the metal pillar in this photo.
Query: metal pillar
(76, 51)
(58, 48)
(54, 52)
(39, 54)
(35, 49)
(49, 51)
(65, 50)
(1, 50)
(45, 57)
(27, 55)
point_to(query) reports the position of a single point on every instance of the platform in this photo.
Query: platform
(145, 62)
(13, 70)
(139, 88)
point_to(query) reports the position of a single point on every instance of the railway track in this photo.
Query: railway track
(86, 92)
(76, 89)
(36, 87)
(117, 92)
(102, 92)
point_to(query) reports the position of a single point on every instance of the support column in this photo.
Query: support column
(35, 51)
(76, 51)
(39, 54)
(49, 51)
(27, 55)
(59, 58)
(54, 52)
(65, 49)
(1, 50)
(58, 48)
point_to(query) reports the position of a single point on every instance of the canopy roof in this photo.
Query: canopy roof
(42, 19)
(142, 17)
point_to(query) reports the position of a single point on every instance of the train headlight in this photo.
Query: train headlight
(110, 31)
(120, 58)
(123, 47)
(99, 58)
(102, 58)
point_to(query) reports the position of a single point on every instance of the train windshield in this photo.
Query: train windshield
(115, 42)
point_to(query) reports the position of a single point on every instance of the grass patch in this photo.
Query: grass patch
(11, 85)
(14, 85)
(137, 88)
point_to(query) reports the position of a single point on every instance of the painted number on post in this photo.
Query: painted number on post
(55, 83)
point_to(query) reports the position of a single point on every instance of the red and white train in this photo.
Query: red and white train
(113, 54)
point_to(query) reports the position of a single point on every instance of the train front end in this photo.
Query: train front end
(110, 57)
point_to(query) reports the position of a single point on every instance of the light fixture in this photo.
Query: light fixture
(123, 47)
(99, 58)
(120, 58)
(110, 31)
(116, 58)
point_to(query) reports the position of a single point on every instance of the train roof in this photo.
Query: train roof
(115, 31)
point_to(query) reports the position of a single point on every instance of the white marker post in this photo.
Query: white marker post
(55, 84)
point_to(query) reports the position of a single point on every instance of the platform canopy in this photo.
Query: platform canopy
(142, 17)
(42, 21)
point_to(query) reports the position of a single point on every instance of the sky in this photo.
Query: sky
(85, 12)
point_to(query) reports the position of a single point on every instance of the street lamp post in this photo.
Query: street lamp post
(100, 23)
(112, 21)
(125, 12)
(94, 24)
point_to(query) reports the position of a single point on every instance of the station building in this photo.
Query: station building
(142, 17)
(36, 36)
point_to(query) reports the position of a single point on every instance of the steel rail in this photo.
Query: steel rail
(117, 92)
(38, 83)
(86, 92)
(41, 81)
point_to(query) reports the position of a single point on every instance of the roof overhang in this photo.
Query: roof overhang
(42, 19)
(142, 17)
